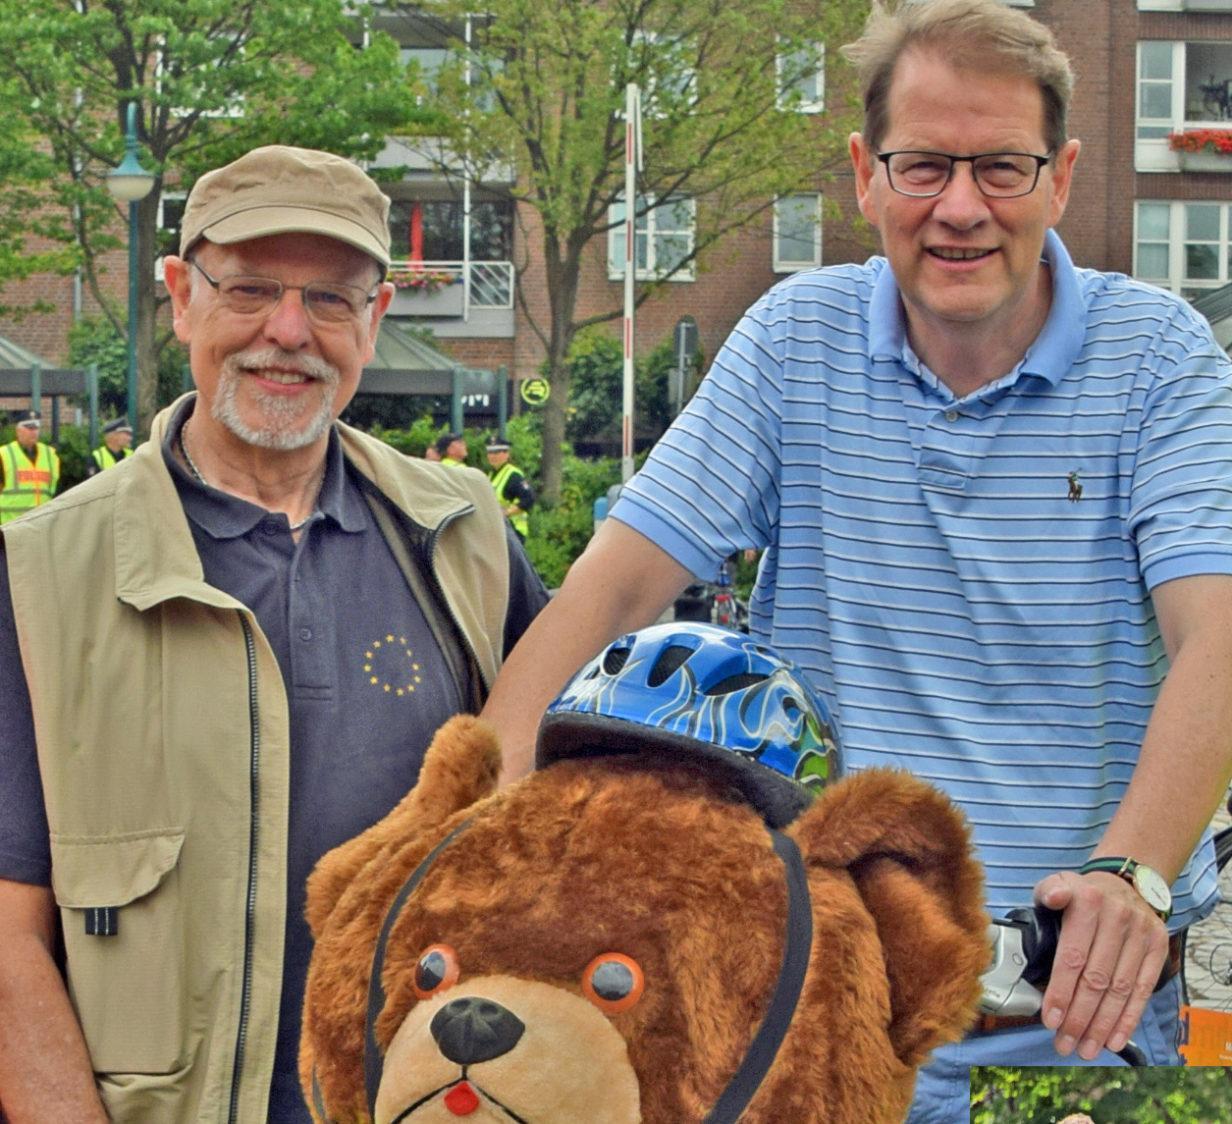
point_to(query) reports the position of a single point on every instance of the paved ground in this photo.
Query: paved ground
(1208, 960)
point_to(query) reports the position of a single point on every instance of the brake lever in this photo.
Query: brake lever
(1024, 943)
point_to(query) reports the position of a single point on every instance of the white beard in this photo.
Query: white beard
(282, 425)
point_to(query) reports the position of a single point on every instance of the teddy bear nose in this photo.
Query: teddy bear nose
(473, 1029)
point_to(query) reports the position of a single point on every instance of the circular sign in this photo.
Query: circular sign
(535, 391)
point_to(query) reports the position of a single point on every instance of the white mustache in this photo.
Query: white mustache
(309, 365)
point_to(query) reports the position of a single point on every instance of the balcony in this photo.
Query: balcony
(438, 292)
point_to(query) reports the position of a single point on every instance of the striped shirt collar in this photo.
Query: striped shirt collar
(1052, 354)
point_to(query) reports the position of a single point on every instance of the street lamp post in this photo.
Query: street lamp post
(130, 183)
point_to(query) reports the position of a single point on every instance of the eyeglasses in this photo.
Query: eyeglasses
(324, 301)
(999, 175)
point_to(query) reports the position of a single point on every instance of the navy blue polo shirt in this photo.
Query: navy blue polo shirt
(366, 685)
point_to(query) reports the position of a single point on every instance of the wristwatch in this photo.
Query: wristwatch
(1149, 883)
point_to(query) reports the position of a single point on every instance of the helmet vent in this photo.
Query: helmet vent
(668, 663)
(614, 659)
(734, 683)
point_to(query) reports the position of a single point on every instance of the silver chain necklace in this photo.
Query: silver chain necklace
(192, 467)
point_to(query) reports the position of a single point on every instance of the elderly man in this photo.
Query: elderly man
(29, 469)
(116, 446)
(236, 655)
(995, 494)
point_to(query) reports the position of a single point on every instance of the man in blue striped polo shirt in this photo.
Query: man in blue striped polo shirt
(995, 496)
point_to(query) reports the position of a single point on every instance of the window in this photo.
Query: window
(801, 75)
(1183, 85)
(662, 240)
(797, 232)
(663, 68)
(1183, 246)
(432, 230)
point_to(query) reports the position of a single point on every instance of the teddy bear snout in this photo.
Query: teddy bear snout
(473, 1029)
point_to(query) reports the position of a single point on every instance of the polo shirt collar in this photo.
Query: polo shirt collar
(1051, 355)
(224, 516)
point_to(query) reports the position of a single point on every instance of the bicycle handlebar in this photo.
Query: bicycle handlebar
(1024, 944)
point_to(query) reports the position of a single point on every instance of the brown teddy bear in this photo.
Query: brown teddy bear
(613, 940)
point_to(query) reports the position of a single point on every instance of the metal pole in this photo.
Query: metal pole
(92, 391)
(36, 387)
(633, 155)
(502, 401)
(133, 267)
(130, 141)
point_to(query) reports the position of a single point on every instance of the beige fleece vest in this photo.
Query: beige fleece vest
(163, 744)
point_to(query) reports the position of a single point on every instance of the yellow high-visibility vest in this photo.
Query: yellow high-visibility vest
(27, 483)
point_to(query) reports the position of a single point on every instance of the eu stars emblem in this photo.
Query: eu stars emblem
(391, 666)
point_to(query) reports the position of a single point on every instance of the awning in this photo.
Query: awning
(404, 364)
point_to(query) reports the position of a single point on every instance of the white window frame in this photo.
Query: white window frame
(783, 264)
(642, 40)
(1177, 281)
(1151, 151)
(647, 226)
(1185, 5)
(784, 99)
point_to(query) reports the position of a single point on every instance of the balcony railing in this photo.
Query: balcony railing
(491, 283)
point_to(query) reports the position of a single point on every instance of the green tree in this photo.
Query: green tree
(211, 79)
(540, 90)
(1122, 1095)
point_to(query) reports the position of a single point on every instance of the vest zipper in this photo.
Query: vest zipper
(241, 1038)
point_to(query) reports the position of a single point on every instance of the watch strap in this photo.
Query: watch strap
(1125, 867)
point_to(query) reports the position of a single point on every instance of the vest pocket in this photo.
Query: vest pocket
(119, 899)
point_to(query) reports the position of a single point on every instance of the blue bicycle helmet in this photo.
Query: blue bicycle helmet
(687, 688)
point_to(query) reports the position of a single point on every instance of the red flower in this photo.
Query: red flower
(1196, 140)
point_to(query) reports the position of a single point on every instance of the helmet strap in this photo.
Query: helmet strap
(797, 949)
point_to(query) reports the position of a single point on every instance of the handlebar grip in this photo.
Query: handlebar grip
(1041, 930)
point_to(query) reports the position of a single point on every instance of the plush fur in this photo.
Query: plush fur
(669, 868)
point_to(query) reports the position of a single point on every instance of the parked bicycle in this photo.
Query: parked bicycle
(726, 609)
(1206, 971)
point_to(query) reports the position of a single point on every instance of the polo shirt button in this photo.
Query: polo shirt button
(305, 634)
(951, 415)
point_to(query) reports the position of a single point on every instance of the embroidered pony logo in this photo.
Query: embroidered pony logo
(1075, 488)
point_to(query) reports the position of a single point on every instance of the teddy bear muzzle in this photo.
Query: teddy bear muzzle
(500, 1049)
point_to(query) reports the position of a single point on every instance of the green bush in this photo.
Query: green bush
(559, 534)
(93, 340)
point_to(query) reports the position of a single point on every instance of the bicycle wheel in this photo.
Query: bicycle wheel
(1207, 966)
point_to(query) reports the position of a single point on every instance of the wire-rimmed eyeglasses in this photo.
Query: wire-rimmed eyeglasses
(325, 302)
(999, 175)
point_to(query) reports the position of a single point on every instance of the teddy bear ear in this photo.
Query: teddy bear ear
(460, 767)
(908, 850)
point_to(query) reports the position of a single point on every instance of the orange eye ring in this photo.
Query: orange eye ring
(436, 970)
(613, 982)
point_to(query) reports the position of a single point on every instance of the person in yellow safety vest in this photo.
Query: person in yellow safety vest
(116, 446)
(511, 486)
(452, 448)
(29, 470)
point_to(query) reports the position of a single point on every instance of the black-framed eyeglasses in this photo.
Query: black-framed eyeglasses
(325, 302)
(999, 175)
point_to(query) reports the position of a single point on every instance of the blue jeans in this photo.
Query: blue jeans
(943, 1088)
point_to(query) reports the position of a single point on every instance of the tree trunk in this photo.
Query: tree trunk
(147, 311)
(562, 272)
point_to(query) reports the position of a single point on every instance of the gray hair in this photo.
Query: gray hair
(969, 35)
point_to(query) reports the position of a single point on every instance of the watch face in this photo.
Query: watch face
(1151, 885)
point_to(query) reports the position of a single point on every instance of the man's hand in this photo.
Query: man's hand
(1109, 957)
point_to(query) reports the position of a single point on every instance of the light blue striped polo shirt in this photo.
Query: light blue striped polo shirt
(967, 579)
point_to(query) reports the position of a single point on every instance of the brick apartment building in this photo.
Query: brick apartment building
(1146, 69)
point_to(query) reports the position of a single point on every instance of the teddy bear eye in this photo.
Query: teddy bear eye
(613, 982)
(437, 970)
